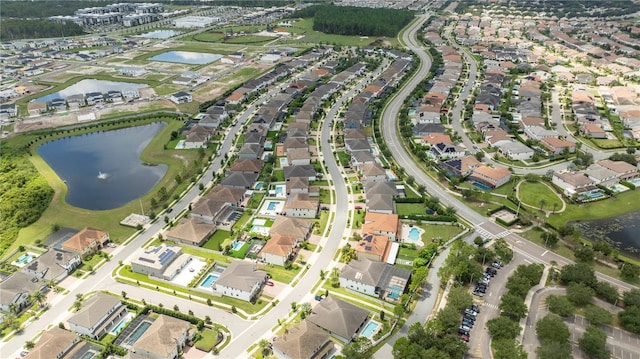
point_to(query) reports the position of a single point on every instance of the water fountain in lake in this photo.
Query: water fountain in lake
(102, 176)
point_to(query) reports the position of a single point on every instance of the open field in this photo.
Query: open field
(538, 194)
(304, 27)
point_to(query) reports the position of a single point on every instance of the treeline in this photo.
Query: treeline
(12, 29)
(44, 9)
(241, 3)
(349, 20)
(24, 194)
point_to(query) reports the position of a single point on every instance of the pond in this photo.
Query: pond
(620, 232)
(103, 170)
(186, 57)
(160, 34)
(87, 85)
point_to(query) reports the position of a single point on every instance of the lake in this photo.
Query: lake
(103, 170)
(87, 85)
(186, 57)
(621, 232)
(160, 34)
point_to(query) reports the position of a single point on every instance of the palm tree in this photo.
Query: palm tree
(264, 346)
(38, 297)
(542, 203)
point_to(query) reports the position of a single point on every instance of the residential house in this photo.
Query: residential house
(298, 156)
(165, 338)
(251, 166)
(250, 151)
(341, 319)
(279, 249)
(16, 289)
(374, 278)
(163, 261)
(235, 98)
(386, 188)
(303, 341)
(240, 280)
(515, 150)
(94, 98)
(297, 185)
(460, 167)
(300, 171)
(592, 130)
(360, 158)
(299, 228)
(8, 110)
(537, 133)
(53, 265)
(557, 146)
(373, 247)
(380, 203)
(181, 97)
(372, 172)
(443, 151)
(98, 315)
(433, 139)
(59, 344)
(87, 241)
(601, 175)
(573, 182)
(197, 137)
(302, 206)
(295, 143)
(624, 171)
(191, 230)
(382, 224)
(244, 180)
(209, 207)
(357, 144)
(493, 177)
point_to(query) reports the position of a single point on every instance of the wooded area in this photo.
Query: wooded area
(12, 29)
(24, 194)
(349, 20)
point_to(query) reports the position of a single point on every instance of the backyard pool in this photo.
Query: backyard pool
(138, 332)
(208, 282)
(414, 234)
(24, 259)
(283, 162)
(262, 230)
(258, 186)
(272, 206)
(370, 329)
(237, 245)
(394, 292)
(123, 323)
(481, 186)
(180, 145)
(635, 181)
(281, 190)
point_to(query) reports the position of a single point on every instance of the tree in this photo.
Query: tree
(38, 297)
(552, 329)
(357, 349)
(29, 344)
(631, 298)
(630, 271)
(513, 307)
(459, 298)
(508, 349)
(124, 295)
(578, 273)
(584, 254)
(630, 319)
(305, 309)
(264, 347)
(503, 328)
(560, 305)
(176, 308)
(447, 320)
(597, 315)
(607, 292)
(593, 343)
(554, 350)
(579, 294)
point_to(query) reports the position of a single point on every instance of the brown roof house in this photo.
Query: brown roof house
(374, 247)
(58, 343)
(341, 319)
(164, 339)
(382, 224)
(493, 177)
(191, 230)
(378, 279)
(279, 249)
(303, 341)
(99, 314)
(296, 227)
(87, 241)
(241, 280)
(302, 206)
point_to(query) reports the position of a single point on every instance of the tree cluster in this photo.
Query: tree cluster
(630, 316)
(13, 29)
(359, 21)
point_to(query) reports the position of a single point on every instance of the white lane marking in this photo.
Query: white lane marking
(543, 253)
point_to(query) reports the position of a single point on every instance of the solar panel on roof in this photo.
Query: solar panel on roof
(146, 260)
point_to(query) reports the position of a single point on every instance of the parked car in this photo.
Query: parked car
(463, 332)
(464, 337)
(475, 308)
(470, 312)
(269, 283)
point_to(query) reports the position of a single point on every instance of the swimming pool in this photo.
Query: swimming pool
(370, 329)
(118, 328)
(237, 245)
(25, 258)
(414, 234)
(180, 145)
(138, 332)
(481, 186)
(259, 185)
(272, 206)
(394, 292)
(208, 282)
(283, 162)
(263, 230)
(280, 190)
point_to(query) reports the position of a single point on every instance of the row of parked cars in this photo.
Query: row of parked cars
(490, 272)
(468, 319)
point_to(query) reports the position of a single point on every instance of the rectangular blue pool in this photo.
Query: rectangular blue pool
(208, 282)
(272, 206)
(138, 332)
(370, 329)
(481, 186)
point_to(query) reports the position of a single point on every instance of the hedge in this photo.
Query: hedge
(172, 313)
(628, 185)
(408, 200)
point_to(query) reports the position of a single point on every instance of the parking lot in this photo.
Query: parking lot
(621, 344)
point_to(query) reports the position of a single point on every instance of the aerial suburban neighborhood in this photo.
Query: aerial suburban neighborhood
(301, 180)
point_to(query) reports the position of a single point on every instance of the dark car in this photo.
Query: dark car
(469, 317)
(475, 308)
(463, 332)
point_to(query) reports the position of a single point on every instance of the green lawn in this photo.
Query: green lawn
(408, 253)
(250, 39)
(279, 274)
(279, 174)
(443, 231)
(239, 225)
(343, 158)
(405, 209)
(215, 242)
(209, 36)
(324, 216)
(622, 203)
(534, 193)
(325, 196)
(255, 200)
(208, 341)
(358, 218)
